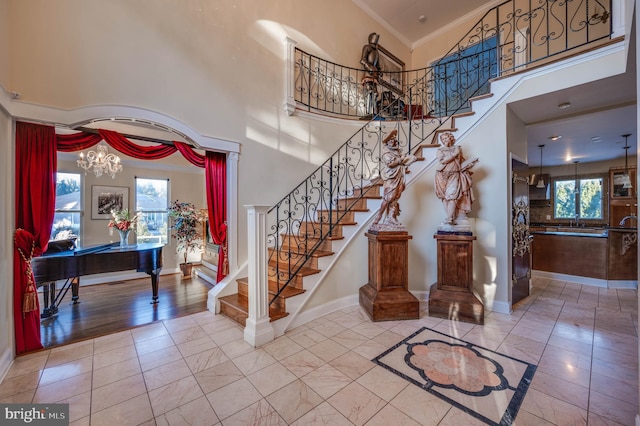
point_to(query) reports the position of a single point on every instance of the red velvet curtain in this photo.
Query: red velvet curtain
(36, 165)
(216, 187)
(215, 166)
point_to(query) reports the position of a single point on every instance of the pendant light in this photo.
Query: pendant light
(626, 180)
(540, 179)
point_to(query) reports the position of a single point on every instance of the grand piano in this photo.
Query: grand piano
(64, 261)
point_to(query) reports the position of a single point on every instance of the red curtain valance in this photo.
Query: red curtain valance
(125, 146)
(36, 167)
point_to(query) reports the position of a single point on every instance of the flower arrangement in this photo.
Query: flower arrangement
(123, 220)
(186, 219)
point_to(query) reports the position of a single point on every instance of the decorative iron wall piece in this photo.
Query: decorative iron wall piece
(628, 240)
(520, 225)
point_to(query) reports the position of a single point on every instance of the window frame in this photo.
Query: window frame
(79, 211)
(578, 182)
(142, 212)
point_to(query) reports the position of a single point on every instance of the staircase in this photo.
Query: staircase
(300, 252)
(315, 215)
(297, 255)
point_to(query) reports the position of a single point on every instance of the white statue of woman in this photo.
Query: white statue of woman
(453, 184)
(393, 177)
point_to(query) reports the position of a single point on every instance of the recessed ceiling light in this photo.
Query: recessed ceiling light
(555, 138)
(564, 105)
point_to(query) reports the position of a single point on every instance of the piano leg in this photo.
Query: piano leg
(49, 294)
(75, 285)
(155, 276)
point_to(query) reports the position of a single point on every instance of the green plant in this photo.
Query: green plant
(185, 226)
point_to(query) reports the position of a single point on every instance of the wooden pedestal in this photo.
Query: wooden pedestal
(452, 296)
(386, 296)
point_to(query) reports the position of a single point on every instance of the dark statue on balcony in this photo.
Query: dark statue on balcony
(453, 184)
(370, 62)
(393, 176)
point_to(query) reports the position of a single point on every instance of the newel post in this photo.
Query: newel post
(258, 329)
(289, 75)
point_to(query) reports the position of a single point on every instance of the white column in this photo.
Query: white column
(621, 18)
(258, 329)
(289, 75)
(232, 211)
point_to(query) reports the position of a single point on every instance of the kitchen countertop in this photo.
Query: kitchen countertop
(574, 232)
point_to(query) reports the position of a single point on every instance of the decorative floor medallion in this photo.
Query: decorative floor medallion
(483, 383)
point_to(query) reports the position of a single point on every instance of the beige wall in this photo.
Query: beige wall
(5, 44)
(441, 42)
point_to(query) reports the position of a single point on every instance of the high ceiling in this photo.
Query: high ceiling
(413, 20)
(591, 127)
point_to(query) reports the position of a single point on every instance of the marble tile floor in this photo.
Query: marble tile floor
(197, 370)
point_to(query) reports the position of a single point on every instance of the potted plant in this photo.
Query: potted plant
(186, 230)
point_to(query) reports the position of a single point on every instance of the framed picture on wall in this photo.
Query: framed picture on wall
(392, 70)
(107, 198)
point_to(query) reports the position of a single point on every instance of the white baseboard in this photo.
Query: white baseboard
(6, 360)
(596, 282)
(501, 307)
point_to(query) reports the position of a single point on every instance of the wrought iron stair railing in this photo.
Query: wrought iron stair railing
(417, 103)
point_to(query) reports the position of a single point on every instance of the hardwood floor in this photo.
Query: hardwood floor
(121, 305)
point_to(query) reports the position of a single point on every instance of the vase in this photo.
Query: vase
(124, 237)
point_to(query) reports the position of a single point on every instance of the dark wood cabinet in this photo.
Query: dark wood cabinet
(619, 209)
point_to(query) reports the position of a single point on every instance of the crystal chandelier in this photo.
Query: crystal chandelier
(100, 162)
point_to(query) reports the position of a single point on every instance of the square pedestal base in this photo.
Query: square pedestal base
(455, 305)
(396, 304)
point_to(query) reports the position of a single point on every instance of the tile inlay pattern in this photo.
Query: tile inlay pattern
(483, 383)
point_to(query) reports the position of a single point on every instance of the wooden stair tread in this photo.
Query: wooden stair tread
(241, 305)
(480, 97)
(302, 237)
(288, 291)
(317, 253)
(303, 272)
(235, 300)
